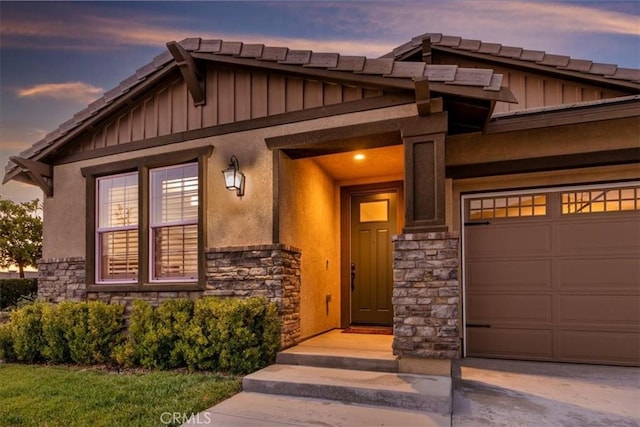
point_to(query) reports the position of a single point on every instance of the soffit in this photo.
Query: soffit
(377, 162)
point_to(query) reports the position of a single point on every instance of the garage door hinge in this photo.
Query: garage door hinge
(467, 224)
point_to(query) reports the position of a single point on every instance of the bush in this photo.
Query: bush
(26, 332)
(54, 324)
(11, 290)
(237, 336)
(173, 319)
(6, 343)
(80, 332)
(249, 333)
(140, 348)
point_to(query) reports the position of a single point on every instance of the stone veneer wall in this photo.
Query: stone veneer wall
(270, 271)
(62, 279)
(426, 295)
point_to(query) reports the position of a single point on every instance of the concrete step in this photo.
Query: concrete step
(337, 361)
(262, 410)
(409, 391)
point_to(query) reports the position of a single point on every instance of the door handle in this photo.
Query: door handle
(353, 277)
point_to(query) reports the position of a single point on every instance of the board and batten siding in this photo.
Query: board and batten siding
(232, 96)
(537, 90)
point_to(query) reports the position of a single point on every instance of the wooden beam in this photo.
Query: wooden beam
(426, 50)
(423, 96)
(40, 173)
(190, 73)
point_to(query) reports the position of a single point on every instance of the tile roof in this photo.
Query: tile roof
(559, 62)
(450, 75)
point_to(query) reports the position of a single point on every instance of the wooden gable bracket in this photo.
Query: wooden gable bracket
(40, 173)
(191, 74)
(426, 50)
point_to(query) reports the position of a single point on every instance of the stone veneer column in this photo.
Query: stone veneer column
(426, 295)
(62, 279)
(270, 271)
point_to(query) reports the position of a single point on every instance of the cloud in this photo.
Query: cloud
(79, 92)
(340, 22)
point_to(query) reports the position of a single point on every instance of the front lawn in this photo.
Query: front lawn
(36, 395)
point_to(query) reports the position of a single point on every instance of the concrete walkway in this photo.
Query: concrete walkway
(512, 393)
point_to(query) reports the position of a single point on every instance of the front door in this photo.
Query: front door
(373, 222)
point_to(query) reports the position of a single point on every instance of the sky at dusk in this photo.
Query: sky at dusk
(57, 57)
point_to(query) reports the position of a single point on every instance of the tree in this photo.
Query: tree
(20, 234)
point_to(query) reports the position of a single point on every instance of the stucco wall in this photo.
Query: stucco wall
(308, 221)
(232, 221)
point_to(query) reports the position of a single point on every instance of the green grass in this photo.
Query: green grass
(35, 395)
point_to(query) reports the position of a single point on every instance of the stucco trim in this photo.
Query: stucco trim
(541, 164)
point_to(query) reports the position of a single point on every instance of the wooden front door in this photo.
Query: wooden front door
(373, 222)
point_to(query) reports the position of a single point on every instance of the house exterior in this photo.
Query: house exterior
(483, 199)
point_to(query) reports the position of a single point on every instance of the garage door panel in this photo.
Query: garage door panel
(594, 273)
(611, 346)
(511, 240)
(491, 308)
(623, 310)
(561, 285)
(599, 235)
(522, 275)
(502, 342)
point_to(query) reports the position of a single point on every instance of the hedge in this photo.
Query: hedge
(227, 335)
(11, 290)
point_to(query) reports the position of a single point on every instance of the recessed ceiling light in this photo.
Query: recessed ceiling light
(359, 157)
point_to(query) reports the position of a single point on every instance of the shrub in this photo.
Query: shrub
(238, 336)
(173, 319)
(81, 332)
(54, 324)
(105, 325)
(6, 343)
(249, 333)
(141, 344)
(11, 290)
(26, 332)
(202, 335)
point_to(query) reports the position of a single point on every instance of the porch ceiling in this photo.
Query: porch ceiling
(377, 162)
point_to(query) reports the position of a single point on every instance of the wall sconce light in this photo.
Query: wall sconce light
(233, 178)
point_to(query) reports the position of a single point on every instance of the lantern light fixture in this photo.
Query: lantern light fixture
(233, 178)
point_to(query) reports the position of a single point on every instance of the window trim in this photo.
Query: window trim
(153, 225)
(142, 166)
(100, 230)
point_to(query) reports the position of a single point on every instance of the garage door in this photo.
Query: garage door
(554, 275)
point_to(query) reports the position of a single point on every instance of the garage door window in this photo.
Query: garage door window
(508, 207)
(595, 201)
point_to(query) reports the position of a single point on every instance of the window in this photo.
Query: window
(117, 228)
(174, 222)
(508, 206)
(144, 216)
(606, 200)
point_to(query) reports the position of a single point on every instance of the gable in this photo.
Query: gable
(535, 90)
(536, 78)
(232, 96)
